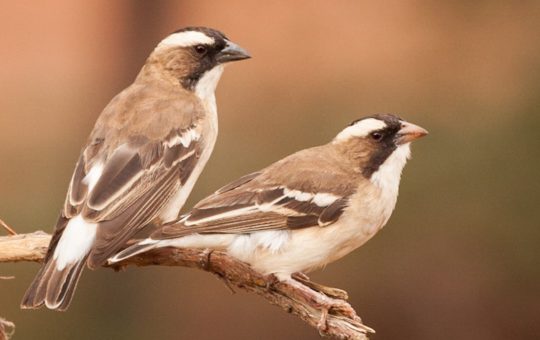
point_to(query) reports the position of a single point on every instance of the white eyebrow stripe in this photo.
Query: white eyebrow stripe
(361, 128)
(187, 38)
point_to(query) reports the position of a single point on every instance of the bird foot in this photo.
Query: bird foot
(205, 262)
(328, 291)
(271, 282)
(205, 259)
(322, 302)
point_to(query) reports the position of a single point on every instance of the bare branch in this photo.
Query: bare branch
(7, 329)
(24, 247)
(8, 228)
(331, 315)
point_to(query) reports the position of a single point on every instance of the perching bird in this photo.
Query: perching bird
(147, 149)
(304, 211)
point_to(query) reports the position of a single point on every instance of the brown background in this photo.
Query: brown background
(458, 259)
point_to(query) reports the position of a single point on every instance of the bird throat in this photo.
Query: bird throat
(206, 86)
(378, 159)
(388, 172)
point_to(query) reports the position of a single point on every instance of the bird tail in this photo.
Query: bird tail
(57, 279)
(52, 286)
(133, 250)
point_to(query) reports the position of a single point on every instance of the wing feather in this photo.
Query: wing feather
(136, 181)
(310, 188)
(247, 217)
(123, 168)
(114, 233)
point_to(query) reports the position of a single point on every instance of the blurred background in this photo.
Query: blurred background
(459, 258)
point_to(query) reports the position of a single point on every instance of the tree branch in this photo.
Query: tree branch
(332, 316)
(7, 329)
(24, 247)
(8, 228)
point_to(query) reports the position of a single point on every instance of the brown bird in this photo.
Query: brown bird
(304, 211)
(147, 149)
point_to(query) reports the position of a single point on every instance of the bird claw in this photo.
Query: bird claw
(322, 302)
(322, 325)
(336, 305)
(271, 281)
(301, 277)
(204, 262)
(326, 305)
(205, 259)
(227, 283)
(328, 291)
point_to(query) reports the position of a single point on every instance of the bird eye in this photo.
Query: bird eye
(376, 136)
(200, 49)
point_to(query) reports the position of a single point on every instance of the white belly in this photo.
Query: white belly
(304, 250)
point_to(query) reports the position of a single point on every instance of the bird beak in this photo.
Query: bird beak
(410, 132)
(232, 52)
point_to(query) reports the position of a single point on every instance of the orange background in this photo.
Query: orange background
(458, 259)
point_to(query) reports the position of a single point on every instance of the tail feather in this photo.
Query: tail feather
(53, 287)
(68, 288)
(35, 295)
(133, 250)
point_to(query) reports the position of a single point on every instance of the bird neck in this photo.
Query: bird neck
(206, 86)
(388, 174)
(155, 71)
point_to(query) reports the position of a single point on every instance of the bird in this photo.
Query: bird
(141, 160)
(304, 211)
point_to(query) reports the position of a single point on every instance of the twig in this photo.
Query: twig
(8, 228)
(24, 247)
(7, 329)
(341, 320)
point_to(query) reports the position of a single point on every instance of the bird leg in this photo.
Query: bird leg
(325, 304)
(205, 259)
(329, 291)
(271, 282)
(204, 263)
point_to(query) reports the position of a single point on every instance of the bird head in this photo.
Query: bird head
(194, 56)
(378, 141)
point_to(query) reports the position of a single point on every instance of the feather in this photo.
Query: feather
(260, 202)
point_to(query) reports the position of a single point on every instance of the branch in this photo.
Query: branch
(8, 228)
(24, 247)
(7, 328)
(331, 315)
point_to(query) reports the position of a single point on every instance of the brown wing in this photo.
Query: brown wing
(314, 193)
(131, 186)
